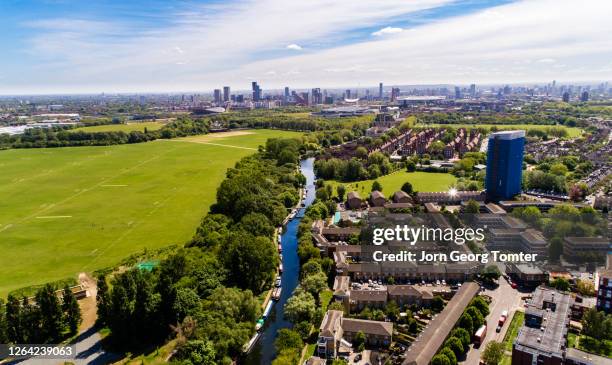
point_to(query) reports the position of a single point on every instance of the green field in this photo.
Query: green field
(74, 209)
(121, 127)
(572, 132)
(421, 181)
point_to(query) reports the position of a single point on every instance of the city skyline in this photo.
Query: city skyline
(54, 48)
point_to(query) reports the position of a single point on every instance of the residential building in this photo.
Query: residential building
(604, 287)
(427, 344)
(504, 164)
(377, 199)
(542, 338)
(353, 200)
(336, 332)
(576, 247)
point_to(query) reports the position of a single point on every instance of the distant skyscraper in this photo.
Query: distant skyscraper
(566, 97)
(316, 96)
(473, 90)
(226, 93)
(504, 164)
(256, 91)
(286, 93)
(584, 96)
(457, 92)
(347, 93)
(395, 92)
(380, 91)
(217, 94)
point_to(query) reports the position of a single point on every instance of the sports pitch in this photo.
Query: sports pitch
(68, 210)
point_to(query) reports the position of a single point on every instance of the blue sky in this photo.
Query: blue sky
(57, 46)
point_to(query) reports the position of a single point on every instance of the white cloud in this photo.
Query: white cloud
(547, 60)
(294, 47)
(487, 46)
(387, 30)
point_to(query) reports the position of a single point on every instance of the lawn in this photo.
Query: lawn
(74, 209)
(573, 132)
(515, 324)
(135, 126)
(421, 181)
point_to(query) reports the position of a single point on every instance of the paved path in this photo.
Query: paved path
(504, 298)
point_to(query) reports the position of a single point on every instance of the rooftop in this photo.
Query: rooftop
(429, 341)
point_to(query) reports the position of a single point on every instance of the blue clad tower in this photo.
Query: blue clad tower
(504, 164)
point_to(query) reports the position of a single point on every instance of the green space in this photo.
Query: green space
(130, 127)
(517, 321)
(74, 209)
(573, 132)
(421, 181)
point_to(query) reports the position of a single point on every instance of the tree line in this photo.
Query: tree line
(64, 137)
(206, 294)
(49, 317)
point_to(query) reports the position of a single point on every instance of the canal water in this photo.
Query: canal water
(263, 352)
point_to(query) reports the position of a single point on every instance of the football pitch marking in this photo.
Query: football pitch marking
(34, 215)
(54, 216)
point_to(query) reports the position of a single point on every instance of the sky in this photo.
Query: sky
(78, 46)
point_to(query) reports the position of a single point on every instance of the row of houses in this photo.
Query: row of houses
(356, 297)
(399, 199)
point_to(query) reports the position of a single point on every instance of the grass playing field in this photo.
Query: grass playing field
(421, 181)
(67, 210)
(572, 132)
(121, 127)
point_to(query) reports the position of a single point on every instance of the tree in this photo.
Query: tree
(3, 323)
(13, 319)
(555, 250)
(407, 188)
(340, 190)
(50, 313)
(410, 166)
(446, 351)
(250, 261)
(560, 284)
(558, 169)
(493, 353)
(491, 273)
(361, 153)
(288, 339)
(437, 304)
(440, 360)
(300, 307)
(472, 207)
(376, 186)
(481, 304)
(477, 318)
(314, 283)
(585, 287)
(359, 341)
(463, 336)
(392, 310)
(455, 344)
(72, 312)
(597, 324)
(466, 323)
(103, 301)
(197, 352)
(186, 303)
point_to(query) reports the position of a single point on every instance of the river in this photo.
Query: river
(263, 353)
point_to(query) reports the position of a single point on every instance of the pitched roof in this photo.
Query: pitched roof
(369, 295)
(353, 195)
(367, 327)
(398, 195)
(404, 290)
(331, 323)
(376, 194)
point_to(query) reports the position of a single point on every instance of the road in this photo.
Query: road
(503, 298)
